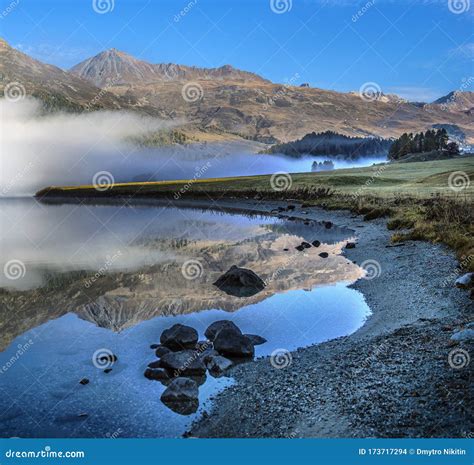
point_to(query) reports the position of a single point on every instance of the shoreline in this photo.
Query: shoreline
(391, 378)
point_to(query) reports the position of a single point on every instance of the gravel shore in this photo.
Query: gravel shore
(394, 377)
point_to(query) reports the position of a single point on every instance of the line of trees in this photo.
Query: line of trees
(428, 141)
(332, 143)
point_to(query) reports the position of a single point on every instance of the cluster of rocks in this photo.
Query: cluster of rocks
(183, 361)
(466, 281)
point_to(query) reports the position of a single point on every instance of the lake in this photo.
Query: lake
(81, 279)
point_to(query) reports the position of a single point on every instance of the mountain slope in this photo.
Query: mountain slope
(459, 101)
(55, 87)
(113, 67)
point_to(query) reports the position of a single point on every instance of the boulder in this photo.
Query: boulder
(84, 381)
(157, 374)
(214, 328)
(179, 337)
(465, 281)
(256, 340)
(183, 363)
(154, 346)
(324, 255)
(328, 224)
(155, 364)
(240, 282)
(217, 365)
(306, 245)
(316, 243)
(350, 245)
(299, 248)
(182, 396)
(233, 344)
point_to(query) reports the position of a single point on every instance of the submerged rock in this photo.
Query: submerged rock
(350, 245)
(463, 335)
(465, 281)
(84, 381)
(214, 328)
(184, 363)
(233, 344)
(179, 337)
(217, 365)
(182, 396)
(256, 340)
(240, 282)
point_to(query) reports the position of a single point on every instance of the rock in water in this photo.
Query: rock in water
(256, 340)
(232, 344)
(463, 335)
(158, 374)
(217, 365)
(465, 281)
(214, 328)
(179, 337)
(184, 363)
(162, 350)
(316, 243)
(182, 396)
(240, 282)
(350, 245)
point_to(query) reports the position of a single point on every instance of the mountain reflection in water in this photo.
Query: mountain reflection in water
(115, 277)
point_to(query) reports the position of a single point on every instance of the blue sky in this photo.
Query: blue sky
(420, 49)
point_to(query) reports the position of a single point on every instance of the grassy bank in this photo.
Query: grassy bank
(423, 201)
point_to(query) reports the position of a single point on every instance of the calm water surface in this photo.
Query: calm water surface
(78, 279)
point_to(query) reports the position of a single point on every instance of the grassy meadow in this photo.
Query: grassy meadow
(422, 201)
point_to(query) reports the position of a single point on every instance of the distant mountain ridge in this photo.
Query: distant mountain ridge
(229, 103)
(116, 67)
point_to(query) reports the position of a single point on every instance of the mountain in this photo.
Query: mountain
(113, 67)
(224, 103)
(55, 87)
(458, 101)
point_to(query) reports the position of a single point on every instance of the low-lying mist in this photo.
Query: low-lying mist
(39, 150)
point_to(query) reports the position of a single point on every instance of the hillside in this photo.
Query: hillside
(224, 102)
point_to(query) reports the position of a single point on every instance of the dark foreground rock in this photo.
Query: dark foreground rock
(179, 337)
(232, 344)
(240, 282)
(217, 365)
(157, 374)
(214, 328)
(182, 396)
(183, 363)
